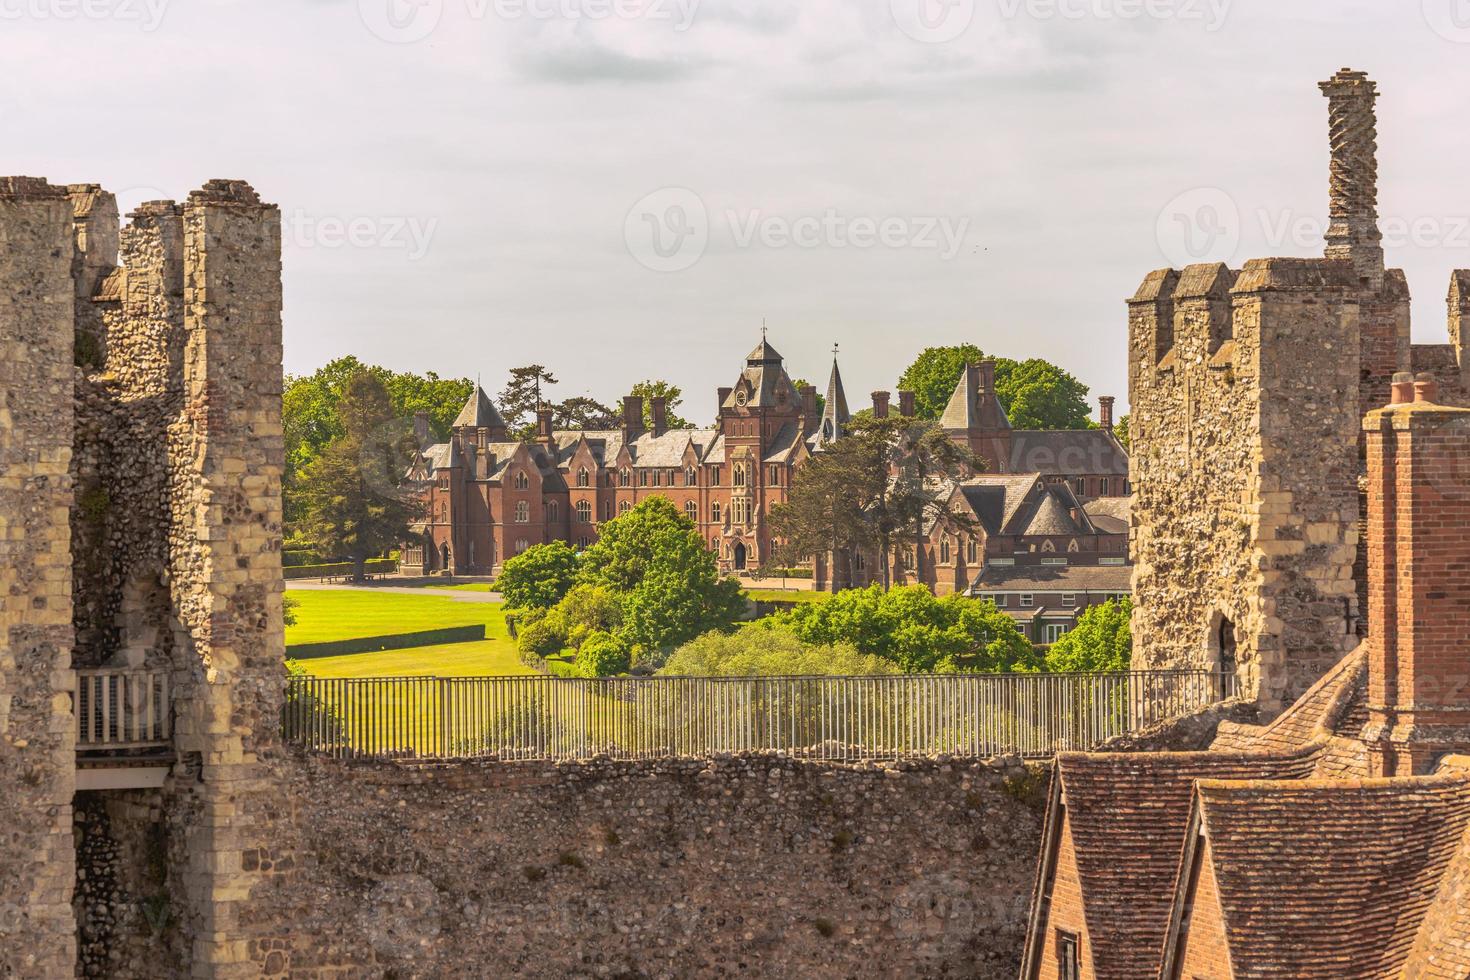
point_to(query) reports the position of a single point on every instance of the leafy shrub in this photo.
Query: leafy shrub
(538, 577)
(602, 655)
(1101, 640)
(762, 649)
(539, 640)
(585, 610)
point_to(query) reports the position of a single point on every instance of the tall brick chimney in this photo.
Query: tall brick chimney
(543, 426)
(1353, 132)
(658, 407)
(1418, 580)
(723, 394)
(632, 415)
(880, 404)
(1105, 412)
(810, 415)
(906, 404)
(423, 435)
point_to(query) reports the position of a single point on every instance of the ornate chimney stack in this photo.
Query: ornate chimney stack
(880, 404)
(906, 404)
(1105, 412)
(632, 415)
(658, 407)
(544, 427)
(1353, 130)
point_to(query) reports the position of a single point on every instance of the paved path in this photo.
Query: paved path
(459, 595)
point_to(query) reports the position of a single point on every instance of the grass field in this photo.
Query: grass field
(326, 615)
(782, 595)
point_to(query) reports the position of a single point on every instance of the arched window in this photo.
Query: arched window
(443, 513)
(944, 553)
(584, 512)
(691, 476)
(622, 508)
(1048, 546)
(1102, 487)
(739, 475)
(521, 545)
(522, 481)
(582, 477)
(553, 511)
(691, 510)
(607, 510)
(714, 512)
(775, 476)
(624, 477)
(970, 551)
(523, 512)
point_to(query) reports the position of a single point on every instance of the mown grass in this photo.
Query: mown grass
(784, 595)
(327, 615)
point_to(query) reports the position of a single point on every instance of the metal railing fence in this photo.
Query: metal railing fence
(883, 717)
(122, 708)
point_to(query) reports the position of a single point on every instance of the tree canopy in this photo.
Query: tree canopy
(1035, 393)
(673, 397)
(1101, 640)
(916, 631)
(351, 498)
(655, 561)
(761, 649)
(538, 577)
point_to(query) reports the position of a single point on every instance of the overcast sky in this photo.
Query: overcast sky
(623, 189)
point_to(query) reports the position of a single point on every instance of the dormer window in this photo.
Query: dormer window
(582, 477)
(522, 481)
(691, 476)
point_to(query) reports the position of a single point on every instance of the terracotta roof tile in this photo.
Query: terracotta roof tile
(1129, 814)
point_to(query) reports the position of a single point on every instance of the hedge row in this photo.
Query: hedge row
(787, 573)
(339, 568)
(397, 641)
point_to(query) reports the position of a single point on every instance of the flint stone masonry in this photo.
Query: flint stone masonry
(754, 865)
(1247, 387)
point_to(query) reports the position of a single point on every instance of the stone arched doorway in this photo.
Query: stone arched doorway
(738, 554)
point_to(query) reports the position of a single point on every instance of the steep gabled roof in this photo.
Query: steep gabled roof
(1128, 815)
(998, 498)
(973, 406)
(478, 412)
(1329, 878)
(764, 382)
(1067, 452)
(835, 415)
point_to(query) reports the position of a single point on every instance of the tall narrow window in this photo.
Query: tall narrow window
(1069, 965)
(584, 512)
(582, 477)
(714, 512)
(739, 475)
(944, 551)
(553, 511)
(522, 481)
(691, 476)
(622, 508)
(691, 510)
(523, 512)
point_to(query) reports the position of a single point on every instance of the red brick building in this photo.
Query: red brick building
(489, 497)
(1333, 841)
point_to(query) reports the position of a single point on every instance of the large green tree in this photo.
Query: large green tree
(310, 417)
(1036, 394)
(673, 397)
(538, 577)
(665, 578)
(763, 649)
(1101, 640)
(830, 509)
(524, 392)
(352, 498)
(911, 628)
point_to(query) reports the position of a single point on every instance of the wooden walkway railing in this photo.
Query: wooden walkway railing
(551, 718)
(122, 708)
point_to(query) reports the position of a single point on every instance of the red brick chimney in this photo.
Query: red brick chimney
(809, 406)
(1105, 412)
(906, 404)
(1418, 580)
(658, 408)
(724, 395)
(632, 415)
(543, 426)
(880, 404)
(423, 434)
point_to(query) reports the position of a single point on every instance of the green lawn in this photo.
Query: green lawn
(327, 615)
(782, 595)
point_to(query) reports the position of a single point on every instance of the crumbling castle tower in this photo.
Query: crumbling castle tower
(140, 588)
(1247, 388)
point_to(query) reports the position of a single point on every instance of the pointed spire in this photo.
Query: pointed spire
(835, 415)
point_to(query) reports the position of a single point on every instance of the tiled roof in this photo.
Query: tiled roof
(784, 443)
(1109, 514)
(972, 406)
(1067, 452)
(1335, 705)
(997, 499)
(1052, 516)
(1055, 578)
(764, 382)
(1329, 878)
(110, 288)
(1128, 815)
(664, 451)
(478, 412)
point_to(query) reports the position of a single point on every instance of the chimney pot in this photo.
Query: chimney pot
(880, 404)
(1426, 389)
(1402, 388)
